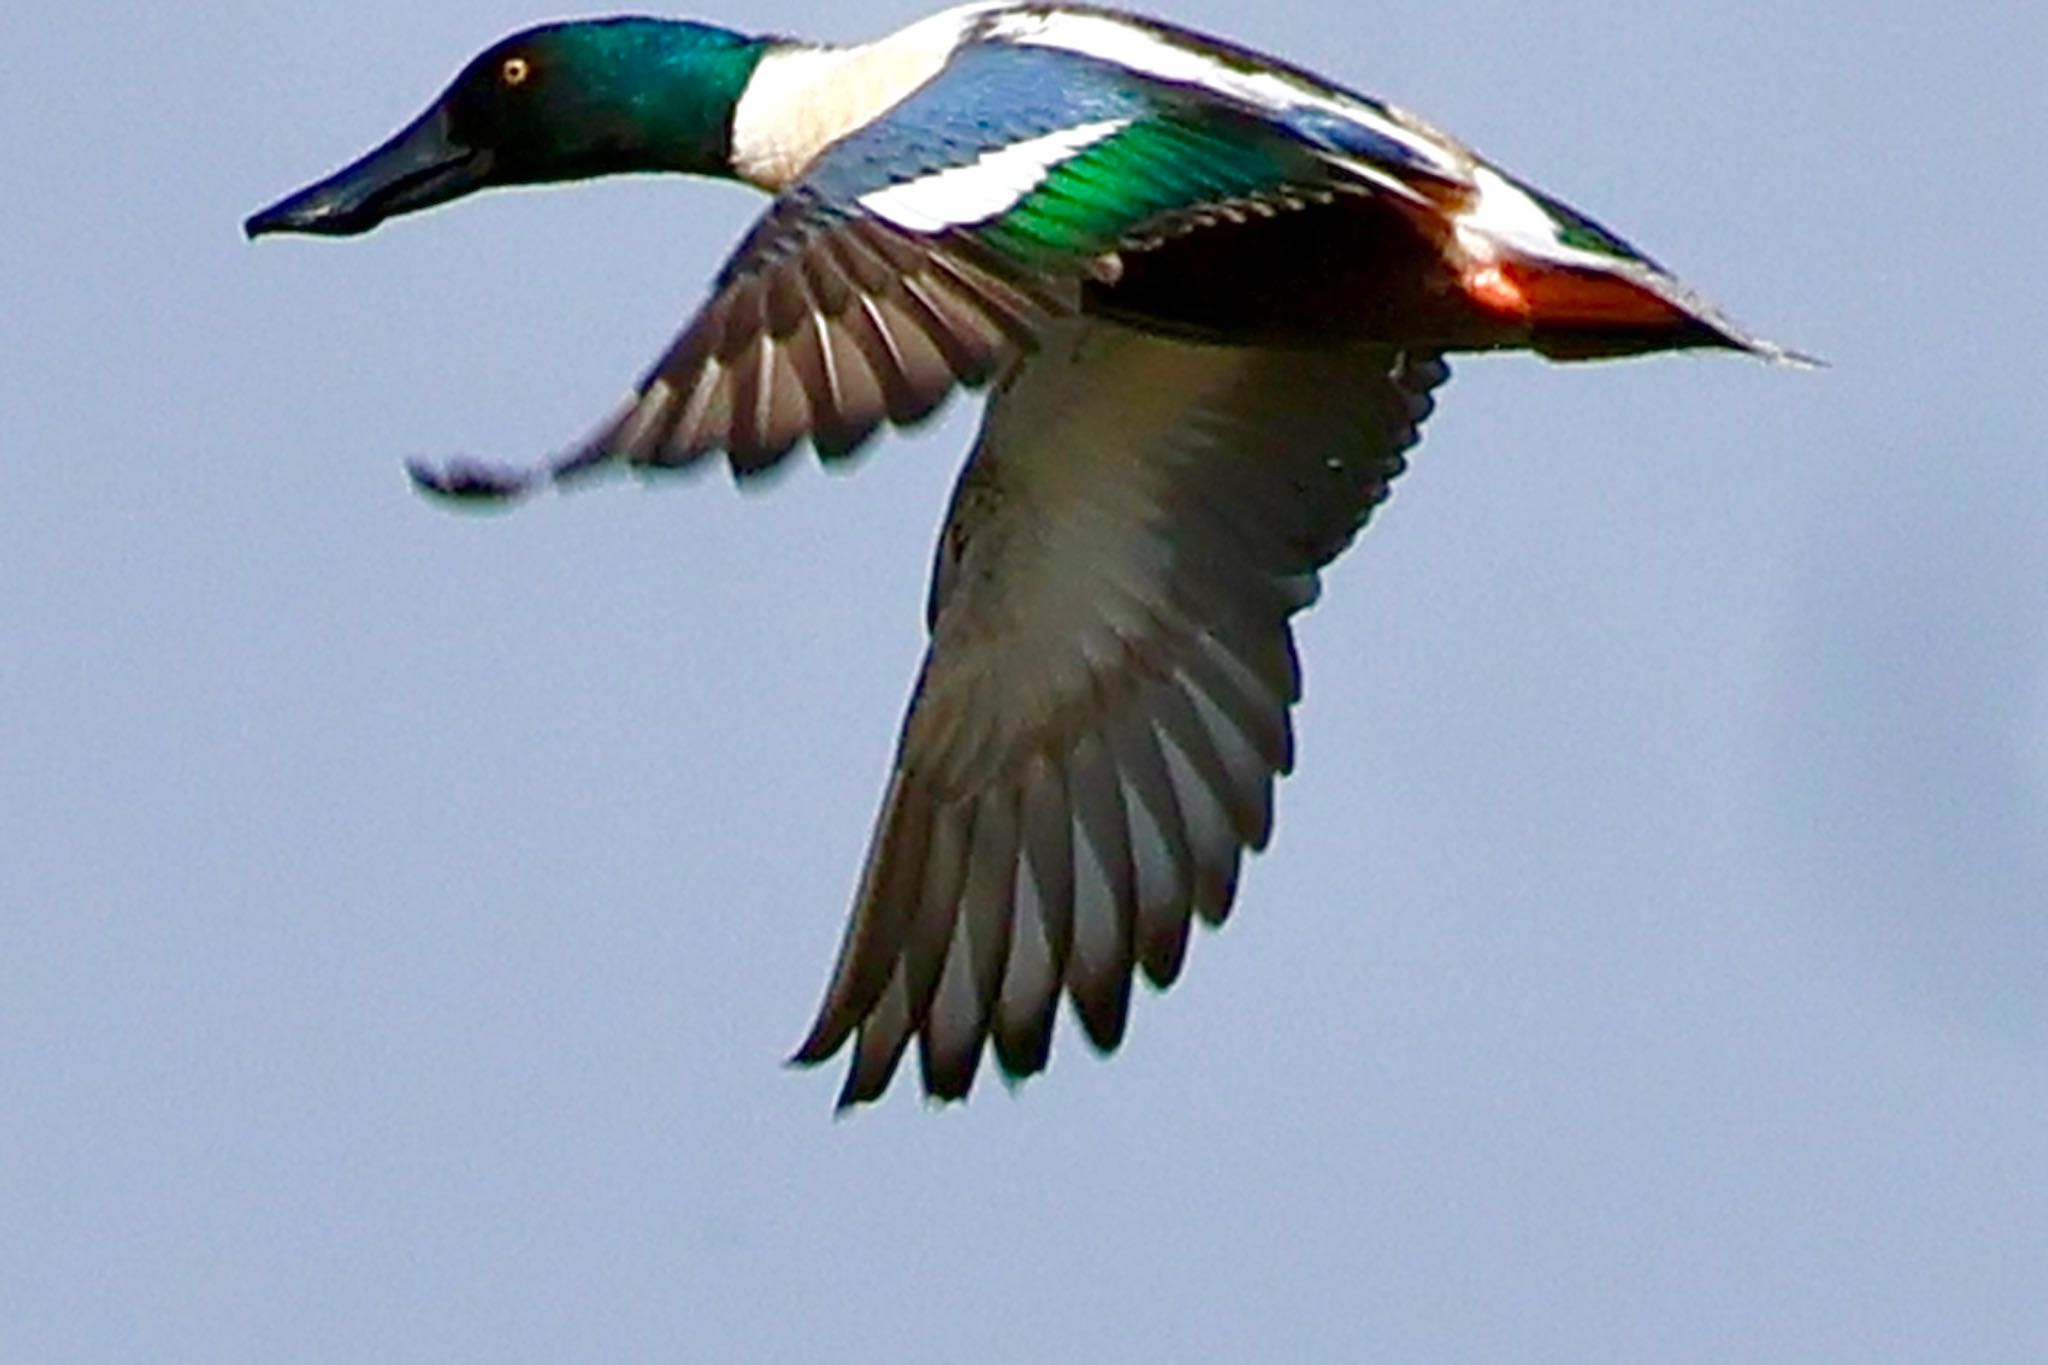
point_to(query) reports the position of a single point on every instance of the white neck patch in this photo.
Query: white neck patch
(801, 99)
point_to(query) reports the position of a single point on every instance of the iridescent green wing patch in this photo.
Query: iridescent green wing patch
(1151, 178)
(1575, 229)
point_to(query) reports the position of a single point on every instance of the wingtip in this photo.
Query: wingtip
(818, 1046)
(1741, 339)
(862, 1086)
(1015, 1081)
(1788, 358)
(809, 1054)
(472, 484)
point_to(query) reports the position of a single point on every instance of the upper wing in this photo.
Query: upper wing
(1104, 706)
(931, 246)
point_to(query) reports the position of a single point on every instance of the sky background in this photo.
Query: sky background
(403, 915)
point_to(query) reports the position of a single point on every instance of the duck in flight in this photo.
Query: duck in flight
(1210, 294)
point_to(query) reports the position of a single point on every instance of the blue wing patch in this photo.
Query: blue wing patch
(990, 96)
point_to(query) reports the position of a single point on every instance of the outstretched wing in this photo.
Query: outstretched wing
(930, 247)
(1094, 735)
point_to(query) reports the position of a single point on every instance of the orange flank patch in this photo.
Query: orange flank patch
(1549, 296)
(1492, 290)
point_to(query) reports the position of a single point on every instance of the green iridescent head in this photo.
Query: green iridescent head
(558, 102)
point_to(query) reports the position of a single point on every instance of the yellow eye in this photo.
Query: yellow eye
(515, 71)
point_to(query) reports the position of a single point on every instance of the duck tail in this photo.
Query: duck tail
(1580, 310)
(1576, 290)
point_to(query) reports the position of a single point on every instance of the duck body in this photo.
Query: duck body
(1277, 207)
(1212, 293)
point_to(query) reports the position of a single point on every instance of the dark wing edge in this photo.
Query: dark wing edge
(824, 325)
(1095, 733)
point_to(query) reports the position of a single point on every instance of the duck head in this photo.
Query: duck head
(558, 102)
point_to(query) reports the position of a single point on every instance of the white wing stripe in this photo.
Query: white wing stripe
(984, 188)
(1141, 49)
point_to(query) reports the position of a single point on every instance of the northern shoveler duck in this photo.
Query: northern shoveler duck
(1212, 293)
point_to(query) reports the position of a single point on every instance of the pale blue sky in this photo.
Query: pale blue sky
(402, 916)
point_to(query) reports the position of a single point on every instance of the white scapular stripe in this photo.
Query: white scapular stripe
(985, 187)
(1505, 214)
(1133, 45)
(1506, 210)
